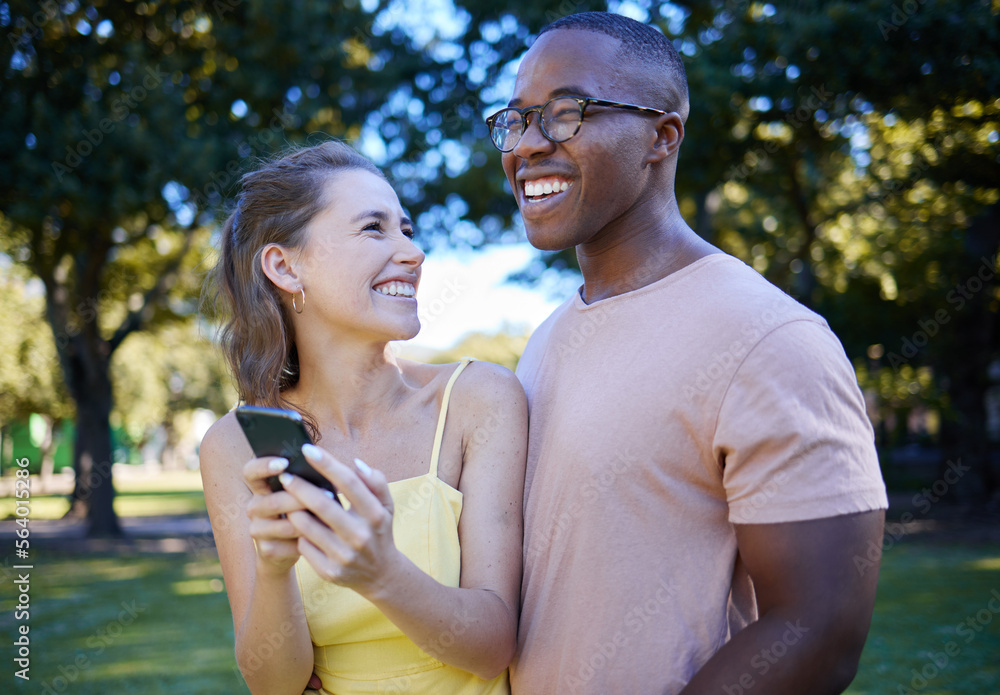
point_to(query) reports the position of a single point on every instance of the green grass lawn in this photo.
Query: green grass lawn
(921, 637)
(126, 624)
(160, 624)
(171, 493)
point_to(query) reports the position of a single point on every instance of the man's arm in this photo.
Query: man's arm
(815, 602)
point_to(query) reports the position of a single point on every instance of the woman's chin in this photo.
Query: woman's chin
(409, 331)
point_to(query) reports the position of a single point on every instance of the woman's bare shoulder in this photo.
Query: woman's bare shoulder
(224, 445)
(489, 390)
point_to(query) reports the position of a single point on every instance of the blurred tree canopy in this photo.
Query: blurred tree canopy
(847, 150)
(503, 347)
(863, 176)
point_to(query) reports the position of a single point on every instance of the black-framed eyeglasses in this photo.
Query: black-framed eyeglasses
(560, 119)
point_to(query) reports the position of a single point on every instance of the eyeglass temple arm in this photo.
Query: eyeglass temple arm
(621, 105)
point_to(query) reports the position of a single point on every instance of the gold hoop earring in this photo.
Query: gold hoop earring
(298, 310)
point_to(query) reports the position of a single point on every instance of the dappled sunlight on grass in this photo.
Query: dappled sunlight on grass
(42, 507)
(202, 568)
(197, 586)
(126, 504)
(170, 492)
(990, 564)
(156, 504)
(927, 594)
(113, 569)
(120, 625)
(166, 481)
(150, 624)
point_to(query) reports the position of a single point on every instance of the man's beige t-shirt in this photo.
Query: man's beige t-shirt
(658, 419)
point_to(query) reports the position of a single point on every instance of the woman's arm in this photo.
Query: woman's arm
(472, 627)
(273, 647)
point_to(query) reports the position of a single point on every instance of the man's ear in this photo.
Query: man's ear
(277, 262)
(667, 138)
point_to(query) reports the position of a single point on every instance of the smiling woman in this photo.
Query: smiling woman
(350, 597)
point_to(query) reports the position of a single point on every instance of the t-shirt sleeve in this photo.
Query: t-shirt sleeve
(792, 433)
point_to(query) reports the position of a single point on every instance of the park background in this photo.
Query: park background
(848, 151)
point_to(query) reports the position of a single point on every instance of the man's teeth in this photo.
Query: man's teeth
(397, 289)
(538, 188)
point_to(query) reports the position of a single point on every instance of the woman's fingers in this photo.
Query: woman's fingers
(350, 546)
(376, 482)
(328, 516)
(275, 537)
(326, 566)
(258, 470)
(273, 529)
(272, 505)
(348, 482)
(282, 554)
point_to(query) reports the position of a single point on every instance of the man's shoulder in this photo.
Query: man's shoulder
(732, 293)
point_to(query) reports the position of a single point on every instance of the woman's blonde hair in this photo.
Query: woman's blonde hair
(275, 206)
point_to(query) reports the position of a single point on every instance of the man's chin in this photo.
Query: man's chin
(547, 239)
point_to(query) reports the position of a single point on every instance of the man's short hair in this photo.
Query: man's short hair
(643, 44)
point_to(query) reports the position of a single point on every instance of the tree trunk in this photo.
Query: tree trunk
(93, 492)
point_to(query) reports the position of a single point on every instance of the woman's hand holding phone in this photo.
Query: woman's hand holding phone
(275, 536)
(350, 547)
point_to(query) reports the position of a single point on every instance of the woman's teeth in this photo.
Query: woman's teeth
(397, 289)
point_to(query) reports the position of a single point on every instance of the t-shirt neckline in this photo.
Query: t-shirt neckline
(675, 276)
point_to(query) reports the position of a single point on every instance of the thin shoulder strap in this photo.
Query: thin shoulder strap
(436, 451)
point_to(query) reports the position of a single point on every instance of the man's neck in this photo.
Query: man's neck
(627, 256)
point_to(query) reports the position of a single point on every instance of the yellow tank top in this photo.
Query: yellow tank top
(356, 648)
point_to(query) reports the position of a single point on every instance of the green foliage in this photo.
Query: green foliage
(504, 347)
(163, 374)
(30, 381)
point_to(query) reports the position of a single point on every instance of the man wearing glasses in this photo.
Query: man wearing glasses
(703, 503)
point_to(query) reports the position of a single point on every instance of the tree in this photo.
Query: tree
(127, 125)
(122, 126)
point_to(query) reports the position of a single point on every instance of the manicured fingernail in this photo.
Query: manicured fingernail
(277, 465)
(312, 451)
(285, 478)
(363, 467)
(328, 493)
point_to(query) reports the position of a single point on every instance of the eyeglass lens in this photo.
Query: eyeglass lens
(560, 120)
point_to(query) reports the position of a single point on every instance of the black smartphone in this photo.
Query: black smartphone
(276, 432)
